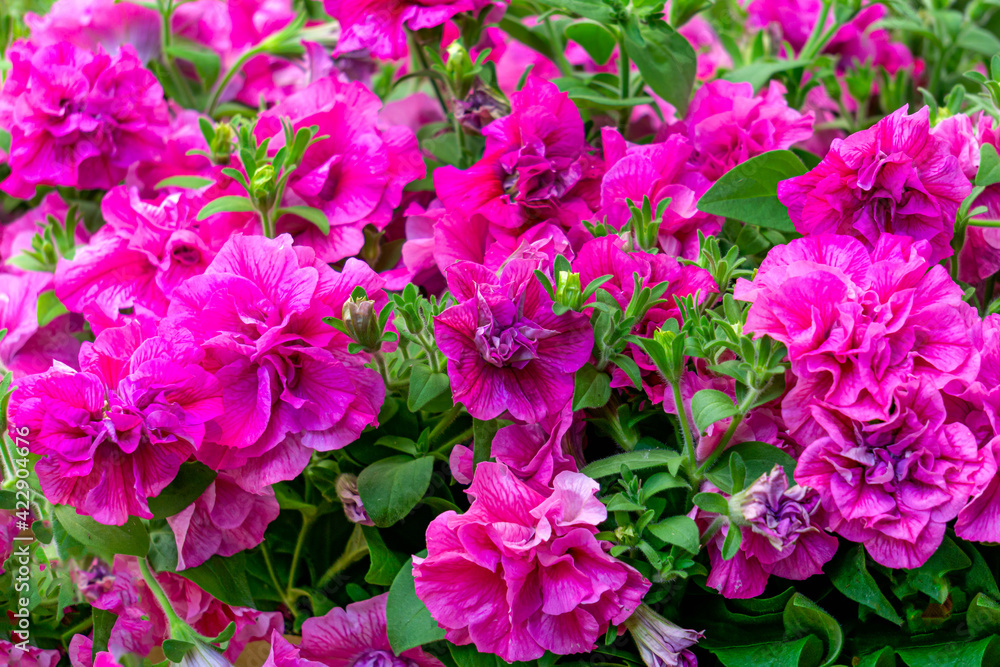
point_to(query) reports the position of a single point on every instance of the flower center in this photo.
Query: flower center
(380, 658)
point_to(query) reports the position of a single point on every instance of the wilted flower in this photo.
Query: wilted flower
(662, 643)
(347, 491)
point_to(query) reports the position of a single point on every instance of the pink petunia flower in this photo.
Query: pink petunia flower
(884, 317)
(520, 573)
(507, 351)
(380, 26)
(781, 532)
(77, 118)
(12, 656)
(356, 636)
(893, 178)
(27, 348)
(90, 24)
(893, 485)
(116, 432)
(290, 385)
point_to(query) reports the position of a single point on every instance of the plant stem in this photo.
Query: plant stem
(161, 597)
(446, 420)
(743, 408)
(422, 57)
(624, 71)
(221, 84)
(274, 577)
(464, 435)
(306, 524)
(681, 408)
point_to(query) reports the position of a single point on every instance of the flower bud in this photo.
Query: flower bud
(347, 490)
(660, 642)
(361, 322)
(480, 108)
(262, 185)
(222, 144)
(569, 291)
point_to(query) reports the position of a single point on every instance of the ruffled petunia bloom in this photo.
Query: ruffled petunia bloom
(520, 573)
(137, 260)
(508, 353)
(893, 178)
(90, 24)
(289, 384)
(116, 432)
(537, 166)
(727, 125)
(77, 118)
(355, 175)
(355, 636)
(781, 532)
(224, 520)
(12, 656)
(885, 317)
(893, 485)
(380, 26)
(81, 654)
(660, 642)
(27, 348)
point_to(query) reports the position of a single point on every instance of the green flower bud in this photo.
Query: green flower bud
(569, 291)
(362, 325)
(222, 144)
(262, 185)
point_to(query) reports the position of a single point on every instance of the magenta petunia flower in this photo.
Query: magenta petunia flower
(727, 125)
(355, 636)
(508, 353)
(893, 485)
(290, 385)
(885, 317)
(285, 654)
(712, 55)
(77, 118)
(980, 255)
(895, 178)
(520, 573)
(142, 254)
(116, 432)
(355, 175)
(27, 348)
(380, 26)
(81, 654)
(781, 536)
(12, 656)
(89, 24)
(224, 520)
(537, 166)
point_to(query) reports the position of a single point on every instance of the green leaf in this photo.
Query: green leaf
(930, 578)
(804, 617)
(759, 458)
(662, 481)
(884, 658)
(679, 530)
(223, 578)
(483, 433)
(191, 481)
(425, 386)
(384, 563)
(227, 204)
(390, 488)
(104, 623)
(5, 141)
(759, 73)
(468, 656)
(408, 623)
(978, 40)
(666, 61)
(205, 61)
(106, 541)
(597, 10)
(49, 307)
(637, 460)
(803, 652)
(983, 616)
(592, 388)
(849, 575)
(712, 502)
(731, 545)
(176, 649)
(313, 215)
(709, 406)
(989, 166)
(982, 653)
(749, 191)
(189, 182)
(595, 39)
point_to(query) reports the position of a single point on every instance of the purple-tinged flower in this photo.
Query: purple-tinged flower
(355, 175)
(116, 432)
(285, 654)
(12, 656)
(224, 520)
(893, 485)
(380, 26)
(884, 317)
(347, 491)
(660, 642)
(356, 636)
(81, 654)
(521, 573)
(77, 118)
(508, 353)
(893, 178)
(27, 348)
(727, 125)
(537, 166)
(780, 534)
(289, 384)
(90, 24)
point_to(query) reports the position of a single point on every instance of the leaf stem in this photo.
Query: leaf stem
(624, 71)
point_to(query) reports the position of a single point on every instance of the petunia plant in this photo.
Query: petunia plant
(460, 333)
